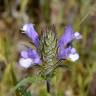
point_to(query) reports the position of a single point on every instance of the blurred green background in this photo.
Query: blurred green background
(81, 81)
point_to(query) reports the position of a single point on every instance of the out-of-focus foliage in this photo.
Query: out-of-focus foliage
(81, 81)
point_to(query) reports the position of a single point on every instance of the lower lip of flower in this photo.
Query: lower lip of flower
(26, 63)
(74, 57)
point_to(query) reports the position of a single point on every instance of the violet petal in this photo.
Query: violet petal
(31, 33)
(67, 36)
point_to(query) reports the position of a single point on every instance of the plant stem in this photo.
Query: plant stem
(48, 86)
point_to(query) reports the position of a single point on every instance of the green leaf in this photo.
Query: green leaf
(28, 80)
(22, 91)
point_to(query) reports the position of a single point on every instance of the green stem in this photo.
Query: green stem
(50, 88)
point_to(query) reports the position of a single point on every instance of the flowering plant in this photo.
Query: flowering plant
(50, 50)
(63, 46)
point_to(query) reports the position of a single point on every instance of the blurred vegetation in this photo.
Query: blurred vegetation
(81, 81)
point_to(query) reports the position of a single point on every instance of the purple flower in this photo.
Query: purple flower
(31, 33)
(67, 37)
(29, 57)
(65, 50)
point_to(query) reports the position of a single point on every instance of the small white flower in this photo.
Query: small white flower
(26, 63)
(74, 57)
(77, 35)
